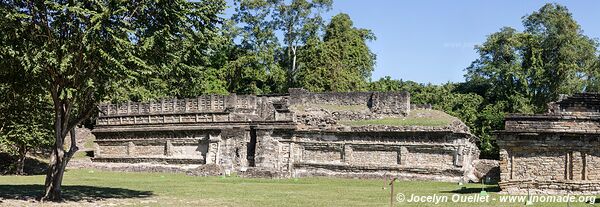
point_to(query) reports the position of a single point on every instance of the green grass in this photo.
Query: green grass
(397, 122)
(353, 108)
(333, 107)
(80, 155)
(160, 189)
(415, 118)
(89, 143)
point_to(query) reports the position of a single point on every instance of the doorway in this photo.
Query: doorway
(251, 148)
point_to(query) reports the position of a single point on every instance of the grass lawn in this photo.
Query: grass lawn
(415, 118)
(353, 108)
(161, 189)
(332, 107)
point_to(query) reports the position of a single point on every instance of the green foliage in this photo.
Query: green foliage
(516, 72)
(254, 67)
(76, 54)
(25, 125)
(85, 52)
(341, 62)
(528, 69)
(300, 21)
(179, 51)
(471, 108)
(386, 84)
(26, 112)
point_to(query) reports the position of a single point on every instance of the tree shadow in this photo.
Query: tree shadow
(33, 166)
(70, 192)
(466, 190)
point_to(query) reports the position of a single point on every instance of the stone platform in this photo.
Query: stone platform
(280, 135)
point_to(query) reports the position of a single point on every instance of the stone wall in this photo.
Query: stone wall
(205, 103)
(551, 158)
(261, 135)
(391, 103)
(437, 156)
(554, 152)
(445, 156)
(192, 146)
(577, 103)
(204, 109)
(378, 102)
(553, 123)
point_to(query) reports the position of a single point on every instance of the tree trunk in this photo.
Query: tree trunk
(59, 158)
(21, 160)
(294, 60)
(292, 70)
(57, 165)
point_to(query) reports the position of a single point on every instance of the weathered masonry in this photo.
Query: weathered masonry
(297, 134)
(557, 152)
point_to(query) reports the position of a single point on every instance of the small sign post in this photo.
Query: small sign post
(392, 191)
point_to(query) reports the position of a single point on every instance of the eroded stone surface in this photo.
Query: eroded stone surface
(556, 152)
(300, 134)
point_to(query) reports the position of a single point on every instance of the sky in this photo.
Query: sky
(433, 41)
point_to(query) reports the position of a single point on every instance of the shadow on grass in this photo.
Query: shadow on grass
(33, 166)
(474, 190)
(70, 192)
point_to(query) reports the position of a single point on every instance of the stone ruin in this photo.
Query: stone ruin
(292, 135)
(553, 153)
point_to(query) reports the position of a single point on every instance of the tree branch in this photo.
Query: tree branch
(85, 113)
(47, 25)
(72, 149)
(67, 108)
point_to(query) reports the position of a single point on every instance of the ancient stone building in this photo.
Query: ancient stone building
(297, 134)
(556, 152)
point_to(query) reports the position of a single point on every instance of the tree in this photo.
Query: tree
(594, 78)
(520, 72)
(26, 121)
(500, 70)
(300, 20)
(531, 68)
(263, 64)
(386, 84)
(344, 61)
(255, 66)
(82, 49)
(567, 54)
(184, 48)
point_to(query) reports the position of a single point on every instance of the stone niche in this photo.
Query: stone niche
(552, 153)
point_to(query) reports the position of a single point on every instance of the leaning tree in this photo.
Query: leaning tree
(83, 48)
